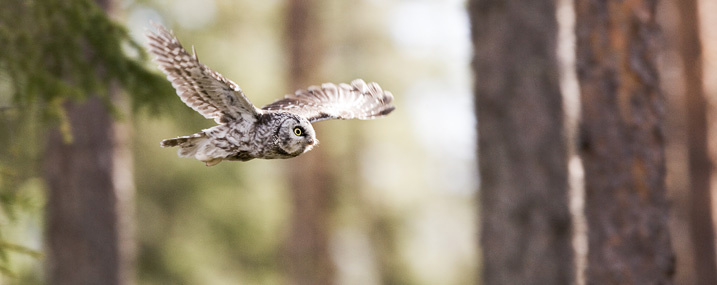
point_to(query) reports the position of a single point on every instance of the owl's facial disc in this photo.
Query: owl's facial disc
(299, 136)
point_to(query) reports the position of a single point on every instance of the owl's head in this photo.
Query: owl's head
(296, 135)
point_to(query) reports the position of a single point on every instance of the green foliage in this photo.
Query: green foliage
(19, 161)
(11, 247)
(55, 51)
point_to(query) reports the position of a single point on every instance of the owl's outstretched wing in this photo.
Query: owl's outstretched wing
(330, 101)
(201, 88)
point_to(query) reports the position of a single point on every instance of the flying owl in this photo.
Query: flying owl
(279, 130)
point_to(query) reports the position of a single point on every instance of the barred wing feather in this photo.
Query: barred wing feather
(330, 101)
(201, 88)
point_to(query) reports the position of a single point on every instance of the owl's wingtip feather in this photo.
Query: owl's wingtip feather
(387, 110)
(195, 54)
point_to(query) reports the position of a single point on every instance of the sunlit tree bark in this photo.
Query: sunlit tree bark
(676, 149)
(312, 183)
(525, 219)
(622, 143)
(700, 165)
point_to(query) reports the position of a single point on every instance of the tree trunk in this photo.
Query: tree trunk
(307, 248)
(622, 143)
(700, 165)
(90, 192)
(526, 228)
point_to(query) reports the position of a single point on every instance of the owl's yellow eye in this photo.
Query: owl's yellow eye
(297, 131)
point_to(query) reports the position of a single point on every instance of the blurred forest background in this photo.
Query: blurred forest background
(89, 197)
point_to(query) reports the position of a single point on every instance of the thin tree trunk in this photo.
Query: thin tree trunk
(622, 143)
(700, 165)
(676, 147)
(90, 194)
(312, 183)
(526, 228)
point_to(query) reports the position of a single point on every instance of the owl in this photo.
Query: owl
(279, 130)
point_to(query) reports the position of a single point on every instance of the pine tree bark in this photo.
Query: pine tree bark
(90, 194)
(700, 163)
(622, 143)
(525, 228)
(307, 249)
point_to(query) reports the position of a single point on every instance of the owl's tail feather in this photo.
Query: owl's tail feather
(190, 145)
(185, 142)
